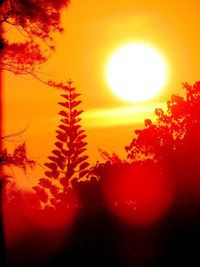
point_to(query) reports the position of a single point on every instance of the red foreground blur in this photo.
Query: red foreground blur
(138, 197)
(34, 234)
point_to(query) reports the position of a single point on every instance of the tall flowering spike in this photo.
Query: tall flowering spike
(67, 161)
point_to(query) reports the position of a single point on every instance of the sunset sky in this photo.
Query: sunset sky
(93, 31)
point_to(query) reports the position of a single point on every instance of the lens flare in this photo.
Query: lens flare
(138, 196)
(54, 218)
(29, 229)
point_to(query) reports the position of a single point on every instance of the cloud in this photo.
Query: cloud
(120, 116)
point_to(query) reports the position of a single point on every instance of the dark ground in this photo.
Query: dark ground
(99, 239)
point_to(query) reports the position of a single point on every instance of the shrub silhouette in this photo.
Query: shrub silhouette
(18, 158)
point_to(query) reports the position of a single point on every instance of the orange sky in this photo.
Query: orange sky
(93, 30)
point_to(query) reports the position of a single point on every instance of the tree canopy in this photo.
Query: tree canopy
(37, 21)
(173, 129)
(36, 18)
(173, 140)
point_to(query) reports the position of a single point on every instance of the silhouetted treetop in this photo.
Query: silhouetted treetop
(36, 20)
(68, 161)
(172, 130)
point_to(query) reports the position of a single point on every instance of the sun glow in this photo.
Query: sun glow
(136, 72)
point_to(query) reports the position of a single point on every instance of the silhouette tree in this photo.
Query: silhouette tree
(67, 163)
(172, 128)
(173, 140)
(37, 21)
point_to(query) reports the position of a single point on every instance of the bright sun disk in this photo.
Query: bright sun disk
(136, 72)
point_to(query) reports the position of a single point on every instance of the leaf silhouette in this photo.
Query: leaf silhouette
(63, 127)
(56, 152)
(75, 103)
(83, 173)
(63, 113)
(64, 104)
(49, 174)
(51, 166)
(84, 165)
(54, 190)
(45, 182)
(62, 137)
(59, 144)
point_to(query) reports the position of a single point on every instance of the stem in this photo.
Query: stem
(70, 143)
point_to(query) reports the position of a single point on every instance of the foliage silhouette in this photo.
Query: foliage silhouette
(168, 148)
(37, 21)
(112, 158)
(67, 162)
(16, 159)
(173, 141)
(37, 18)
(172, 146)
(173, 130)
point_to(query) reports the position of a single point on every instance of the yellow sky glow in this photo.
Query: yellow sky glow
(93, 31)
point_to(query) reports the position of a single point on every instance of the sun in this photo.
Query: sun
(136, 72)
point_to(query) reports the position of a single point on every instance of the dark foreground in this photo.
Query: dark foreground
(98, 239)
